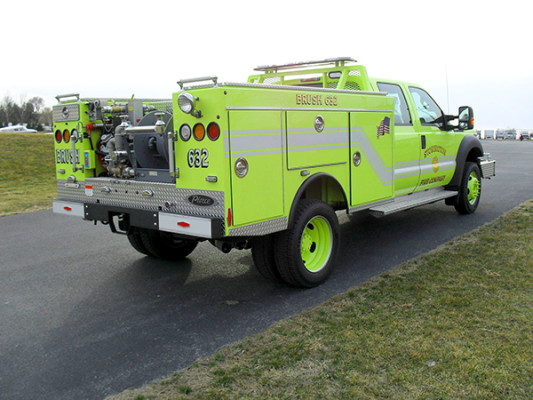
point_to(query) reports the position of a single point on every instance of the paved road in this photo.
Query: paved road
(82, 315)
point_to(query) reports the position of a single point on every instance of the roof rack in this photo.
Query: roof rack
(339, 62)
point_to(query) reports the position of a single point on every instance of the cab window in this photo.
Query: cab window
(401, 111)
(428, 110)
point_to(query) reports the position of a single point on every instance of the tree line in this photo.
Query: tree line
(31, 113)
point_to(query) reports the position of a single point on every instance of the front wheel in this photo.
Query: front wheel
(306, 252)
(470, 189)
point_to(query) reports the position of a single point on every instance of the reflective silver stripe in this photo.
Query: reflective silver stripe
(251, 143)
(309, 137)
(307, 109)
(406, 172)
(443, 166)
(193, 226)
(293, 150)
(253, 153)
(68, 208)
(382, 171)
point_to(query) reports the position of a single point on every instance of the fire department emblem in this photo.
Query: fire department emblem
(384, 127)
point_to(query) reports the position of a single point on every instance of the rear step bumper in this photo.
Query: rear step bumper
(186, 225)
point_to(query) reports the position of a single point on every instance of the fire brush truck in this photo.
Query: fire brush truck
(263, 165)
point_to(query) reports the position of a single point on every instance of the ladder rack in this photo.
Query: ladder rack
(339, 62)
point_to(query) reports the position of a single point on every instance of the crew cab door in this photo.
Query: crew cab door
(407, 140)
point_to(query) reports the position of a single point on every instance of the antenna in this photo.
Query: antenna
(447, 88)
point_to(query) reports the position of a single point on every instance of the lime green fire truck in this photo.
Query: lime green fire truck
(263, 165)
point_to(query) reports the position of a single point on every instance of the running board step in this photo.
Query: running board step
(412, 200)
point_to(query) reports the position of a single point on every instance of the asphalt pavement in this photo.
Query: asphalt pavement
(82, 315)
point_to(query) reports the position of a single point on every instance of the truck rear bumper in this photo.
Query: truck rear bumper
(185, 225)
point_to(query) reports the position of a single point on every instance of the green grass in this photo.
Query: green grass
(27, 172)
(453, 324)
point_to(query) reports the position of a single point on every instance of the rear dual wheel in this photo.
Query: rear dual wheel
(303, 255)
(159, 244)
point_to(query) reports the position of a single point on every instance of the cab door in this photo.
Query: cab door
(438, 152)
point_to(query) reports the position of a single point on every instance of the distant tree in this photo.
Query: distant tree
(7, 104)
(3, 116)
(46, 117)
(27, 114)
(37, 103)
(15, 114)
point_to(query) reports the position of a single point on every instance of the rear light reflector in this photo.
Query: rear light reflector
(184, 224)
(199, 132)
(67, 208)
(213, 131)
(185, 132)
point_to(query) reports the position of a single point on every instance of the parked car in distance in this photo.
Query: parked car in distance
(17, 129)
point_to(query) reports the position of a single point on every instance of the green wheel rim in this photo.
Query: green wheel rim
(316, 244)
(473, 188)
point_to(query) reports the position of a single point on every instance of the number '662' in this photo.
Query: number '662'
(197, 158)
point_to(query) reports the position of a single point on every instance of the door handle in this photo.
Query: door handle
(423, 138)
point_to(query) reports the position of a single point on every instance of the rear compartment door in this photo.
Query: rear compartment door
(255, 137)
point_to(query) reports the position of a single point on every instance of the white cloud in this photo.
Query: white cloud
(103, 48)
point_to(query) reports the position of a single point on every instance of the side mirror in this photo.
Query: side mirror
(466, 118)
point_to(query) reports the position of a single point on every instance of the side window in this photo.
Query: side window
(428, 111)
(401, 111)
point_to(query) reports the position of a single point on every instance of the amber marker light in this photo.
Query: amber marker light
(199, 132)
(66, 135)
(59, 136)
(213, 131)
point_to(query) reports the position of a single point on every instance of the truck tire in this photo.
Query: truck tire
(134, 237)
(165, 245)
(470, 190)
(264, 259)
(306, 252)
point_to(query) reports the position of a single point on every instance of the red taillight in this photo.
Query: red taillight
(213, 131)
(90, 127)
(59, 136)
(184, 224)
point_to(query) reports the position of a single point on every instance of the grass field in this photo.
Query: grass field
(456, 323)
(27, 172)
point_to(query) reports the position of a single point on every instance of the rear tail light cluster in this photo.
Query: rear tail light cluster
(200, 132)
(64, 136)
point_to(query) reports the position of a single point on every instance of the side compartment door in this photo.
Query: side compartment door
(371, 140)
(255, 140)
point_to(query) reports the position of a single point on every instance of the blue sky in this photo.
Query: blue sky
(478, 49)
